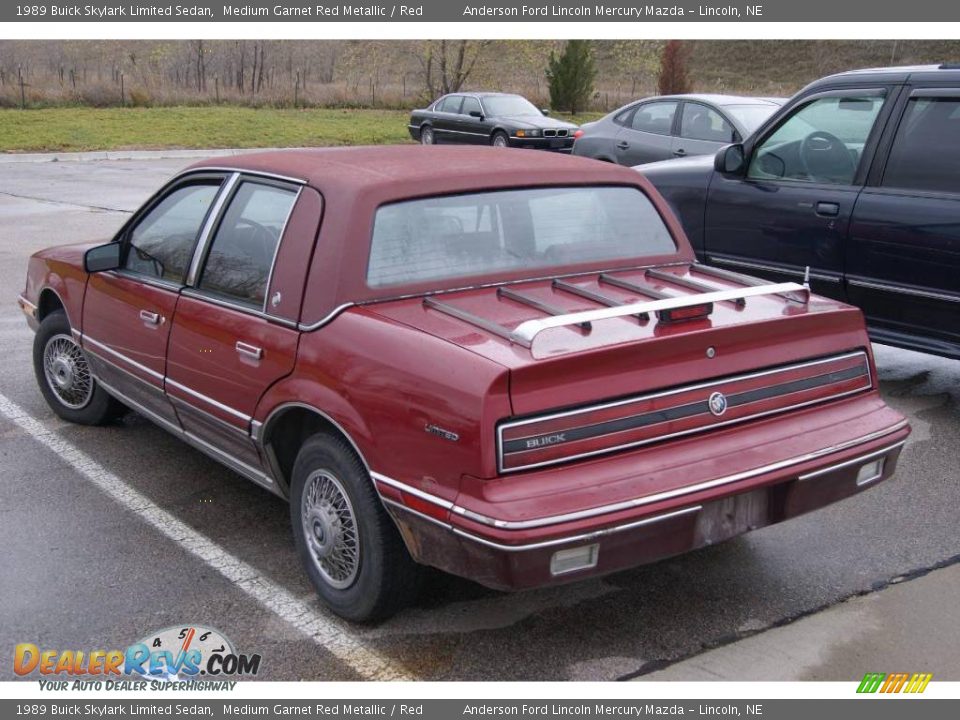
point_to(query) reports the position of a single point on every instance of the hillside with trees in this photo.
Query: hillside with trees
(402, 74)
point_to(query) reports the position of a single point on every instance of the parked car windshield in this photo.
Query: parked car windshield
(750, 116)
(448, 237)
(501, 105)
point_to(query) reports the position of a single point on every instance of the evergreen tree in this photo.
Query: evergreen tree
(571, 76)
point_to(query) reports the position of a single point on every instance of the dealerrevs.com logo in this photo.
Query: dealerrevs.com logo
(165, 659)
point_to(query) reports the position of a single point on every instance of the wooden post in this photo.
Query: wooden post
(23, 96)
(296, 91)
(123, 101)
(216, 84)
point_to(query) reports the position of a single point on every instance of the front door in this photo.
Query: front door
(792, 209)
(127, 312)
(225, 349)
(903, 259)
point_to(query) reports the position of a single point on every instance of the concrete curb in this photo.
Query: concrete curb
(101, 155)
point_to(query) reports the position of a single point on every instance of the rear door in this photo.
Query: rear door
(792, 209)
(702, 131)
(446, 123)
(903, 259)
(648, 135)
(226, 344)
(127, 312)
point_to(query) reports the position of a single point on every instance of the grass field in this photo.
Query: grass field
(76, 129)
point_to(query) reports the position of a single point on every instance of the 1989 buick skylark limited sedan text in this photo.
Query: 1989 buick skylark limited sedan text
(454, 357)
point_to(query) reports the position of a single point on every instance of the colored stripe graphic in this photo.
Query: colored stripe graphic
(894, 682)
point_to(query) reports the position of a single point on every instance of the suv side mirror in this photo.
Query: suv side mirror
(476, 114)
(730, 160)
(102, 257)
(546, 113)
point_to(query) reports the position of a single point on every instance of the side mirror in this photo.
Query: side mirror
(102, 257)
(545, 112)
(730, 160)
(476, 114)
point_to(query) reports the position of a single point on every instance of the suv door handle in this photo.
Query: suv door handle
(680, 153)
(150, 318)
(828, 209)
(250, 351)
(623, 145)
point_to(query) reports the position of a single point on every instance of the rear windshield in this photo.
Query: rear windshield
(458, 236)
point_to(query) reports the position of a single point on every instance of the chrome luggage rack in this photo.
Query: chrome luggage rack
(526, 332)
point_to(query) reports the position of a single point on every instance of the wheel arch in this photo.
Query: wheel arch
(285, 430)
(49, 301)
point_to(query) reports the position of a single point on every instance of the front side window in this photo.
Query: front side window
(821, 142)
(655, 118)
(470, 104)
(161, 244)
(926, 151)
(241, 254)
(442, 238)
(698, 122)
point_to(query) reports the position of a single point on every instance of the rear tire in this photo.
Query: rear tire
(64, 376)
(349, 546)
(500, 139)
(426, 136)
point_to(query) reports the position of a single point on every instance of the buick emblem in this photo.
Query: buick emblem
(717, 403)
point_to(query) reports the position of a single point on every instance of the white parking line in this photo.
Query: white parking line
(333, 636)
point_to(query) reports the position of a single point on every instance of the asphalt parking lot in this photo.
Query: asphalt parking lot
(138, 531)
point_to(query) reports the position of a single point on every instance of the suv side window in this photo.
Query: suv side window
(161, 244)
(926, 150)
(820, 142)
(656, 117)
(241, 254)
(699, 122)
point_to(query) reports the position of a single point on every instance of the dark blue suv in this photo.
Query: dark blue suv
(857, 178)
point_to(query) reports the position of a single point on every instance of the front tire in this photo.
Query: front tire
(499, 139)
(426, 136)
(64, 376)
(349, 546)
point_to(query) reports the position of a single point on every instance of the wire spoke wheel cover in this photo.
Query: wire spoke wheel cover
(330, 529)
(67, 372)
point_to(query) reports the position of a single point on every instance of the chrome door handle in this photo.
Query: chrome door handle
(680, 153)
(250, 351)
(828, 209)
(151, 318)
(622, 145)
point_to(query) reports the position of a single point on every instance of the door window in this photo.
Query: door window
(161, 244)
(655, 118)
(470, 104)
(698, 122)
(926, 151)
(241, 254)
(821, 142)
(450, 104)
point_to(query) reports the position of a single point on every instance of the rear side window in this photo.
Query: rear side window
(655, 118)
(698, 122)
(926, 151)
(241, 254)
(457, 236)
(450, 104)
(161, 244)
